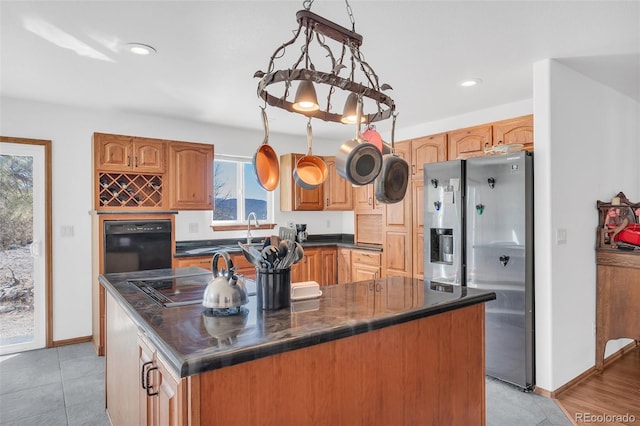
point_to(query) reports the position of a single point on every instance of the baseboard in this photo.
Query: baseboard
(73, 341)
(573, 382)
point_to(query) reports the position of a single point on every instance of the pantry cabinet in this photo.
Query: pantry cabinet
(191, 176)
(397, 227)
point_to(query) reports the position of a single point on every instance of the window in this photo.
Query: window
(237, 191)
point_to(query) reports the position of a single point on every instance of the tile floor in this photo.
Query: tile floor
(65, 386)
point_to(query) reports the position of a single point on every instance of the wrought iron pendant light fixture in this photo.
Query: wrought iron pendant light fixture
(340, 70)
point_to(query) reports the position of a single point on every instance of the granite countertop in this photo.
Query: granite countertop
(207, 247)
(194, 342)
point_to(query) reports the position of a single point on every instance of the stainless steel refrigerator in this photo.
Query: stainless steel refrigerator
(479, 233)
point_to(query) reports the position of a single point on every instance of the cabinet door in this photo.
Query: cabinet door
(300, 271)
(397, 225)
(149, 378)
(429, 149)
(242, 266)
(344, 265)
(516, 130)
(417, 190)
(191, 176)
(364, 199)
(337, 190)
(292, 196)
(113, 152)
(200, 261)
(170, 399)
(365, 265)
(148, 155)
(365, 272)
(329, 263)
(469, 142)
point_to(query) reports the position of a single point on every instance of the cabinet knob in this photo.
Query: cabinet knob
(369, 201)
(413, 169)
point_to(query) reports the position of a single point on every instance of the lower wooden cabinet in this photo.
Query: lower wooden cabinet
(365, 265)
(140, 387)
(318, 264)
(161, 398)
(242, 265)
(344, 265)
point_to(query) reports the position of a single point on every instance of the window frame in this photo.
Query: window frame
(240, 189)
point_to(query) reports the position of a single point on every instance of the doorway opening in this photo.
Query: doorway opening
(25, 245)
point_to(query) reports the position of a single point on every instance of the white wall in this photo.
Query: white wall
(587, 149)
(70, 130)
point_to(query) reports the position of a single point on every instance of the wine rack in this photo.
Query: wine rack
(129, 190)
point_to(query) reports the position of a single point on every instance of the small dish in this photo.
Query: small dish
(305, 290)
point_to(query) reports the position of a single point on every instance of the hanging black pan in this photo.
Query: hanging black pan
(391, 184)
(358, 161)
(265, 160)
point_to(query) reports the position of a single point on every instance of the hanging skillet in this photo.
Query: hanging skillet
(358, 161)
(310, 170)
(391, 184)
(265, 160)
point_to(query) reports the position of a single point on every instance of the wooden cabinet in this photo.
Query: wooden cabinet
(338, 192)
(127, 153)
(191, 176)
(617, 298)
(161, 397)
(292, 196)
(240, 263)
(344, 265)
(319, 264)
(200, 261)
(469, 142)
(328, 266)
(417, 226)
(364, 199)
(428, 149)
(397, 225)
(517, 130)
(365, 265)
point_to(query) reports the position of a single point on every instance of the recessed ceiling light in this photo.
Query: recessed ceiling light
(471, 82)
(140, 49)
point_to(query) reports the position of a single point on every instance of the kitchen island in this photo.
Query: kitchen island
(387, 351)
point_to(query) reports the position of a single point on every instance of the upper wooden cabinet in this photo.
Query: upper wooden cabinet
(190, 176)
(338, 192)
(128, 154)
(469, 142)
(334, 194)
(428, 149)
(292, 196)
(515, 130)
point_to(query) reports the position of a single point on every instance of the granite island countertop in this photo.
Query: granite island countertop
(207, 247)
(193, 341)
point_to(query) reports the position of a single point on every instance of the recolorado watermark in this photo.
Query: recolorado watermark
(604, 418)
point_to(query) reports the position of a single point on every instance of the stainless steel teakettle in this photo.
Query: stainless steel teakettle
(226, 289)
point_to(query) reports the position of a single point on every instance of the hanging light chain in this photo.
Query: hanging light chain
(350, 13)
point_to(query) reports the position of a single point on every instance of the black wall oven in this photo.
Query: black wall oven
(137, 245)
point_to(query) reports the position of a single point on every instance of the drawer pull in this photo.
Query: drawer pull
(149, 387)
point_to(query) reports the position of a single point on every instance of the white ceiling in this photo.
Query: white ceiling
(208, 52)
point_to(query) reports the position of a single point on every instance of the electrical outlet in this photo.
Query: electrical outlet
(193, 228)
(66, 231)
(328, 223)
(561, 236)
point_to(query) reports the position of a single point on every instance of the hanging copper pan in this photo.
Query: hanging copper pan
(265, 160)
(310, 170)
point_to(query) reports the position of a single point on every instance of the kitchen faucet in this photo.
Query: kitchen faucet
(249, 236)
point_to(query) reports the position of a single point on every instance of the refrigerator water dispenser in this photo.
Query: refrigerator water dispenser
(442, 245)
